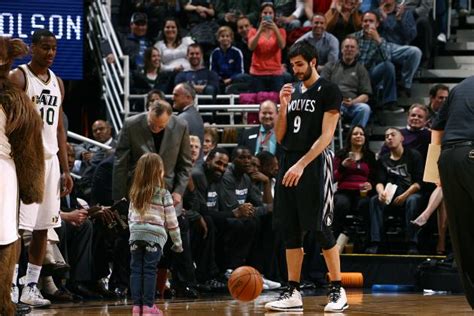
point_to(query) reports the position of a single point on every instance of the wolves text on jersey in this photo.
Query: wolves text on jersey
(302, 105)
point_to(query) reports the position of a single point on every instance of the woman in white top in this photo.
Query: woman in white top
(21, 163)
(173, 47)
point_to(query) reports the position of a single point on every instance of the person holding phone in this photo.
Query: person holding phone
(267, 43)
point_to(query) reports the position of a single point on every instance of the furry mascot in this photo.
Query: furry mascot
(21, 163)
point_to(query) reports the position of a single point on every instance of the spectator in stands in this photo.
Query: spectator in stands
(354, 171)
(288, 13)
(195, 144)
(402, 167)
(203, 80)
(326, 44)
(353, 80)
(262, 137)
(183, 102)
(198, 11)
(438, 95)
(91, 154)
(243, 28)
(173, 47)
(228, 62)
(267, 43)
(312, 7)
(416, 135)
(210, 141)
(200, 18)
(135, 43)
(441, 20)
(343, 18)
(151, 76)
(375, 56)
(398, 27)
(424, 31)
(229, 11)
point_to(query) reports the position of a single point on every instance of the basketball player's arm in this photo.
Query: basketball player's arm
(67, 185)
(293, 175)
(285, 98)
(17, 77)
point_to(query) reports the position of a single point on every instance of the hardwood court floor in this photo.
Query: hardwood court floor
(360, 304)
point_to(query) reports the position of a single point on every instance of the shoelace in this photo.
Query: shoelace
(334, 294)
(286, 294)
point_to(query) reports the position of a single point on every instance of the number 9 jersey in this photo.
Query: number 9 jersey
(305, 113)
(46, 95)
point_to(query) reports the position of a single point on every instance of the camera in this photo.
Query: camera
(267, 18)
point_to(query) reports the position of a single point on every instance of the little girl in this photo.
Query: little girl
(151, 214)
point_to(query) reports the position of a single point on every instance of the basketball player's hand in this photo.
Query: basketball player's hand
(176, 198)
(244, 210)
(285, 94)
(66, 184)
(201, 226)
(293, 175)
(259, 177)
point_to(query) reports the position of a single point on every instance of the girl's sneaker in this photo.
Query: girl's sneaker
(154, 310)
(136, 310)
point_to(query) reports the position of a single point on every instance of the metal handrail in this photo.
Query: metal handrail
(88, 140)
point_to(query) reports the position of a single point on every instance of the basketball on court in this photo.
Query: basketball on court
(245, 284)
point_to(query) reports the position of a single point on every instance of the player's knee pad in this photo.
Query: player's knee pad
(294, 240)
(325, 238)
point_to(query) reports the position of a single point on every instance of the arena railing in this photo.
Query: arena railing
(114, 76)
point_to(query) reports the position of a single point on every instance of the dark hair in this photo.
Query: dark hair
(159, 107)
(38, 34)
(265, 157)
(375, 13)
(350, 37)
(265, 5)
(367, 155)
(235, 152)
(304, 49)
(194, 45)
(155, 91)
(435, 88)
(147, 57)
(394, 128)
(216, 150)
(179, 36)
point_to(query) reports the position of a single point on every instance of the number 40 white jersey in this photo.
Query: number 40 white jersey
(46, 95)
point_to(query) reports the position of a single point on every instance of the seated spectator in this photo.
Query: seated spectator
(262, 137)
(200, 18)
(288, 13)
(398, 27)
(211, 139)
(416, 135)
(438, 95)
(267, 43)
(441, 20)
(354, 171)
(195, 144)
(91, 154)
(154, 95)
(343, 18)
(375, 56)
(203, 80)
(312, 7)
(241, 41)
(173, 47)
(228, 12)
(150, 77)
(353, 80)
(325, 43)
(183, 101)
(134, 43)
(228, 62)
(424, 30)
(402, 167)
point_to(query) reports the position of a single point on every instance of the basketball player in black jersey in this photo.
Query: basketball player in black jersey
(309, 112)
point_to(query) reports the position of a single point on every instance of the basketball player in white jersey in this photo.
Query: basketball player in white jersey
(47, 91)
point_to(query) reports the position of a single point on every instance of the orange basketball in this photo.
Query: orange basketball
(245, 284)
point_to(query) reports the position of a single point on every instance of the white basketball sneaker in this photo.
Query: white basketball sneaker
(289, 300)
(15, 293)
(337, 300)
(32, 296)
